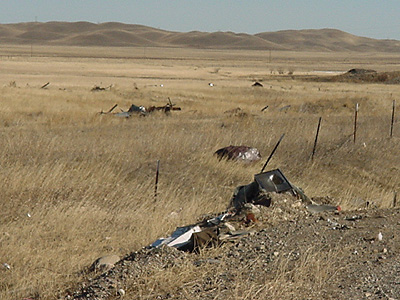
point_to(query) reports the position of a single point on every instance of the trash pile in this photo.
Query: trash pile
(269, 197)
(247, 227)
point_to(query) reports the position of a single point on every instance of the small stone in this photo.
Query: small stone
(121, 292)
(276, 253)
(385, 250)
(104, 263)
(368, 295)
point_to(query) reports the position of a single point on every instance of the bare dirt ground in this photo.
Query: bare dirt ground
(342, 255)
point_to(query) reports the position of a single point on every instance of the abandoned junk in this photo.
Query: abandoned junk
(243, 208)
(141, 110)
(97, 88)
(241, 153)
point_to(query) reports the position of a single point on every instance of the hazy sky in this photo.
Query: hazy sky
(371, 18)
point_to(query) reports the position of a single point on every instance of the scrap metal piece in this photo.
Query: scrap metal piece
(180, 238)
(242, 153)
(133, 109)
(257, 192)
(273, 181)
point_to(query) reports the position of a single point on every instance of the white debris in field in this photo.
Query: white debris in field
(7, 266)
(380, 236)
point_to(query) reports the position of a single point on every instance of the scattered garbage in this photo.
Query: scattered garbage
(242, 153)
(336, 226)
(97, 88)
(257, 84)
(211, 84)
(166, 108)
(7, 266)
(141, 110)
(353, 218)
(244, 209)
(134, 109)
(192, 237)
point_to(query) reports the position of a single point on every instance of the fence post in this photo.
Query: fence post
(391, 124)
(355, 122)
(155, 187)
(316, 138)
(272, 153)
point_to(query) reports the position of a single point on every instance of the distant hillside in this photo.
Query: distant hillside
(127, 35)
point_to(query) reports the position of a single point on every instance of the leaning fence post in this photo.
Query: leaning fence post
(155, 186)
(355, 122)
(391, 124)
(272, 153)
(316, 138)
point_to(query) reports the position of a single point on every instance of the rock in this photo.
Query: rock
(104, 263)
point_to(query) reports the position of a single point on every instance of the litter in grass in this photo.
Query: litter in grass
(241, 153)
(141, 110)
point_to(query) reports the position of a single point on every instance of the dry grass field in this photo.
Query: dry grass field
(77, 185)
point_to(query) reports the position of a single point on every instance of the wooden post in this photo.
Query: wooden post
(45, 85)
(272, 153)
(157, 172)
(391, 124)
(316, 138)
(355, 122)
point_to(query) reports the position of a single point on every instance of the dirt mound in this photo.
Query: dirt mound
(362, 76)
(329, 255)
(360, 71)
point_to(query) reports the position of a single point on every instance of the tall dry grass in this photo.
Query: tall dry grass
(76, 185)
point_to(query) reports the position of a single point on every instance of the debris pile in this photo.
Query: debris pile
(247, 229)
(141, 110)
(269, 197)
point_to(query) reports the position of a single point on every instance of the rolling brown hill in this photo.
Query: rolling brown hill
(128, 35)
